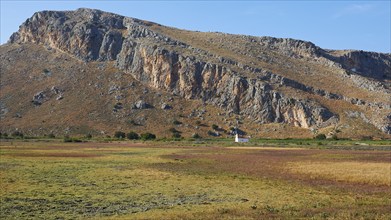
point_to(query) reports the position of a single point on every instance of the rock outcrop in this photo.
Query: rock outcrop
(39, 98)
(165, 63)
(368, 64)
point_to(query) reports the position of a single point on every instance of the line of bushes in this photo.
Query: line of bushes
(134, 136)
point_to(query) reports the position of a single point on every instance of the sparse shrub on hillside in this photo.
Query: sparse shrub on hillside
(176, 135)
(133, 122)
(320, 137)
(211, 133)
(51, 135)
(3, 135)
(198, 123)
(195, 135)
(132, 135)
(119, 134)
(88, 136)
(215, 127)
(334, 137)
(173, 130)
(148, 136)
(176, 122)
(117, 106)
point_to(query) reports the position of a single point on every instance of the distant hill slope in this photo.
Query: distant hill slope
(88, 71)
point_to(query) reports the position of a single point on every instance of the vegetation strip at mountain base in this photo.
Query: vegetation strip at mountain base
(49, 180)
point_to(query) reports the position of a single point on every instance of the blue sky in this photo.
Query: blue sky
(361, 25)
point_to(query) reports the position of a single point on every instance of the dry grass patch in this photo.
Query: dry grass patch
(265, 148)
(354, 172)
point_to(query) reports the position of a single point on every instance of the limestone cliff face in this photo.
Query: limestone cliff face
(220, 86)
(368, 64)
(93, 35)
(157, 60)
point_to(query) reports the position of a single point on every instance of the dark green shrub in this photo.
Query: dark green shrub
(211, 133)
(176, 135)
(176, 122)
(119, 134)
(215, 127)
(334, 137)
(132, 136)
(320, 137)
(195, 135)
(67, 138)
(88, 136)
(148, 136)
(17, 134)
(70, 139)
(51, 135)
(132, 122)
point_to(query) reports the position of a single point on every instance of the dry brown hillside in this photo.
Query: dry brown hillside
(88, 71)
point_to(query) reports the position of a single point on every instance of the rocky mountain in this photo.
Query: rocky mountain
(113, 69)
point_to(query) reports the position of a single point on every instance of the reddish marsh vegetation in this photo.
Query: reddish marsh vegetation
(152, 181)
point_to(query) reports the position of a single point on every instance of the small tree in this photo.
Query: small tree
(17, 134)
(176, 135)
(132, 135)
(119, 134)
(67, 138)
(334, 137)
(195, 135)
(176, 122)
(148, 136)
(215, 127)
(320, 137)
